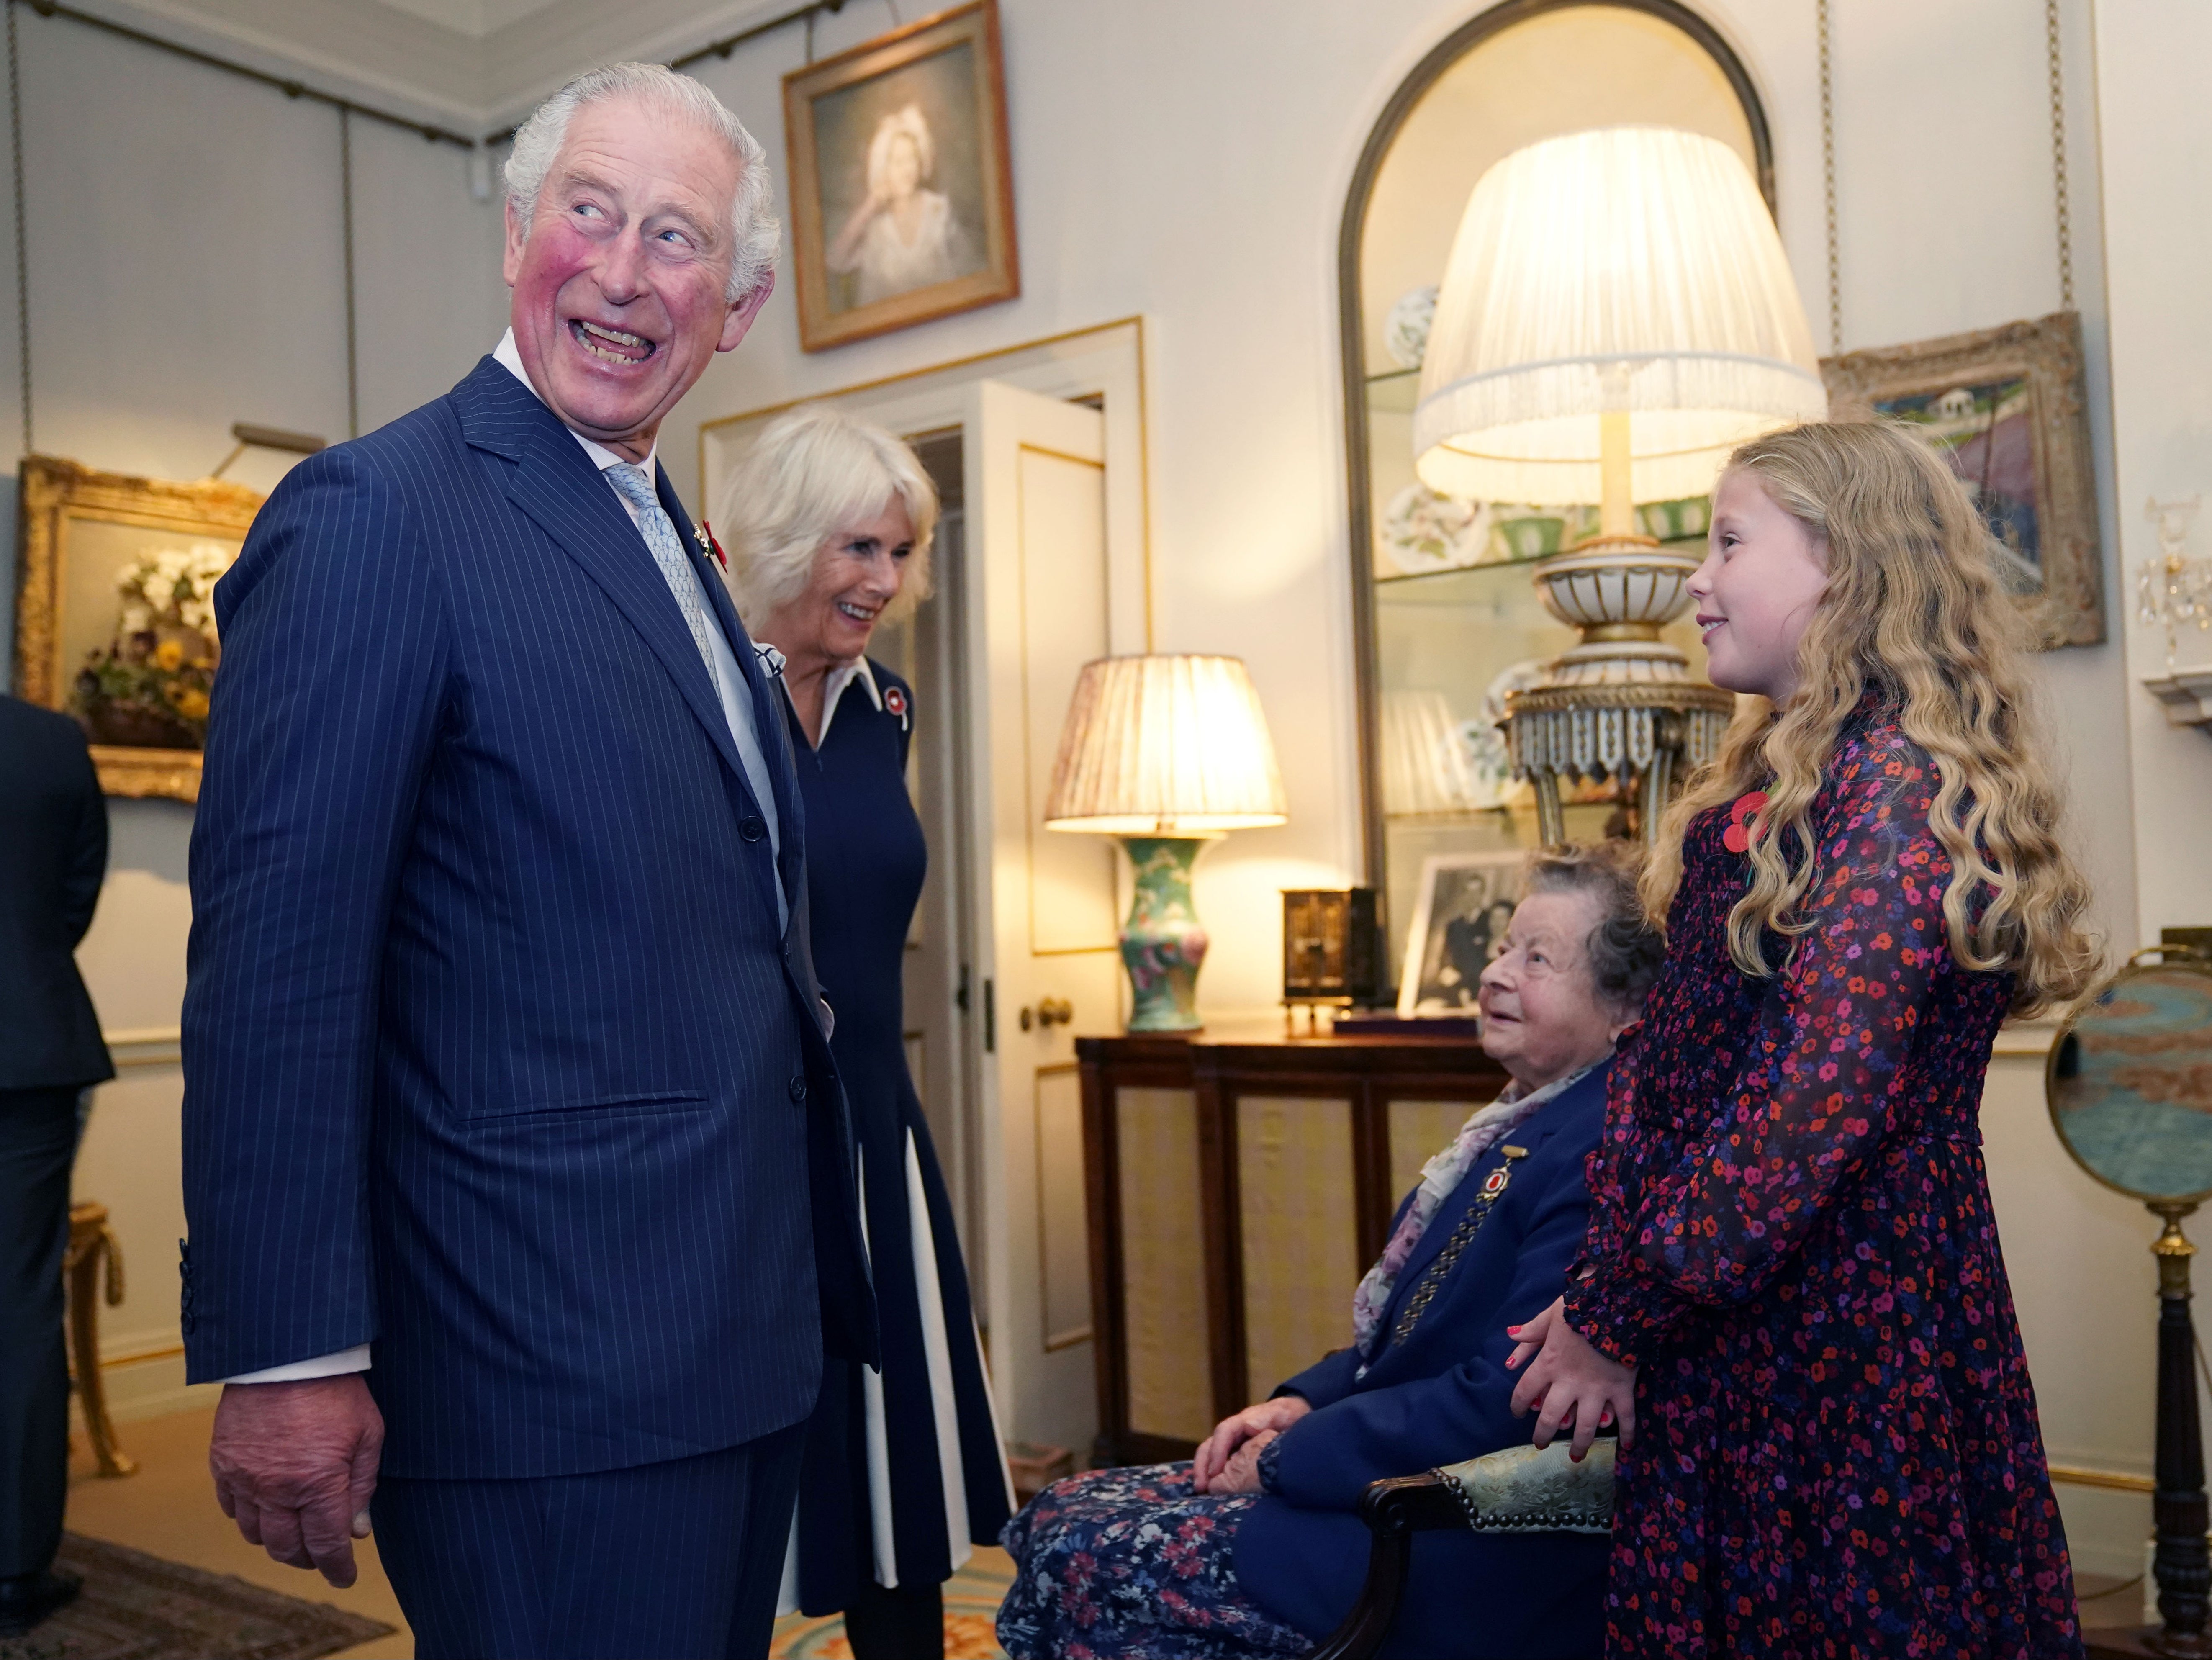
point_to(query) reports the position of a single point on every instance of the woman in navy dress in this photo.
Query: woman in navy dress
(830, 522)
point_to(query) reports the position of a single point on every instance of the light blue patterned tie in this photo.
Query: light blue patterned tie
(653, 523)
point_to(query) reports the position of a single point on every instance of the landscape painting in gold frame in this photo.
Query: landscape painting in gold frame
(902, 199)
(2008, 409)
(115, 616)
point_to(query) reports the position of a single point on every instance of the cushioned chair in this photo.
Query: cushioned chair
(1518, 1490)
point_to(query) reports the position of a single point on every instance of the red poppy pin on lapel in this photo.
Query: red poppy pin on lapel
(894, 700)
(707, 542)
(1737, 838)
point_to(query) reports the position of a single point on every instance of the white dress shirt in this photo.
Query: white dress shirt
(736, 709)
(729, 679)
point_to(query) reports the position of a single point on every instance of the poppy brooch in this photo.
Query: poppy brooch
(894, 700)
(708, 545)
(1737, 838)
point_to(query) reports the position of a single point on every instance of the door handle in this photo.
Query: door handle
(1050, 1011)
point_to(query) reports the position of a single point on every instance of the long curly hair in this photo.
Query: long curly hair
(1914, 611)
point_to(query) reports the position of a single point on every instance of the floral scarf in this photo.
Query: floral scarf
(1438, 1177)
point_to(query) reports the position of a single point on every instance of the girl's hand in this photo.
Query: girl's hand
(1210, 1464)
(1570, 1382)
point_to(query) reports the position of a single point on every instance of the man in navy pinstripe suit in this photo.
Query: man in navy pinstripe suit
(518, 1183)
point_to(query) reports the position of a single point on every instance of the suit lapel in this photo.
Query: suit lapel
(554, 483)
(769, 727)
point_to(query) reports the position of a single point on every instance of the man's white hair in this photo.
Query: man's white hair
(814, 473)
(753, 232)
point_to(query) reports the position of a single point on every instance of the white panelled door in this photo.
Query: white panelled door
(1038, 547)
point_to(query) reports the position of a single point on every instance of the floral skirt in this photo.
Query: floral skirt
(1132, 1562)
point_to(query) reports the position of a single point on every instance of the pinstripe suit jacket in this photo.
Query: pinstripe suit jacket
(494, 1055)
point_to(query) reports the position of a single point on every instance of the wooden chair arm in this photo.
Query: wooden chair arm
(1394, 1509)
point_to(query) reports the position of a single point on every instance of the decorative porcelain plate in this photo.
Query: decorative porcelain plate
(1406, 329)
(1423, 531)
(1488, 757)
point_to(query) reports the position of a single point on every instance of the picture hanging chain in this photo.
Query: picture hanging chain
(2057, 152)
(345, 205)
(1828, 183)
(22, 245)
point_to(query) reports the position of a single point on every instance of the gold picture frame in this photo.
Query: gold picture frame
(2009, 408)
(901, 196)
(77, 530)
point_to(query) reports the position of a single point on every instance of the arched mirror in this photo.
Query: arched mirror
(1447, 620)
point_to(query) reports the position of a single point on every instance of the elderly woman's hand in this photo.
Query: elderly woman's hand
(1255, 1426)
(1242, 1475)
(1570, 1382)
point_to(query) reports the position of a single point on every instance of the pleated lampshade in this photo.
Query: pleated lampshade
(1627, 269)
(1166, 745)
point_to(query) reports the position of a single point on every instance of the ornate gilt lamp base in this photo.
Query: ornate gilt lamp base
(1619, 705)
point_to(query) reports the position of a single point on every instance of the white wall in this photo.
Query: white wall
(1188, 163)
(185, 272)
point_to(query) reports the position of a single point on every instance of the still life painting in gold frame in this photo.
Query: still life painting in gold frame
(115, 612)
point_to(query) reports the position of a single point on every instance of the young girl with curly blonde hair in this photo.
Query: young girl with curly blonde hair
(1791, 1296)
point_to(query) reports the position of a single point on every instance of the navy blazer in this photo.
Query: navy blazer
(495, 1055)
(1440, 1396)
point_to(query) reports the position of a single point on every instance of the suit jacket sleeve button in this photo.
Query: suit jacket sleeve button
(752, 827)
(798, 1088)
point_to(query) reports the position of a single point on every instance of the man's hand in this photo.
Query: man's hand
(1571, 1384)
(1270, 1418)
(295, 1465)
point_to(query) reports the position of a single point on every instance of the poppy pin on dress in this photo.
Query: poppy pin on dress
(894, 700)
(1737, 838)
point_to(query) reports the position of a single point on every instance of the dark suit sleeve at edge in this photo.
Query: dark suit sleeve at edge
(323, 722)
(87, 853)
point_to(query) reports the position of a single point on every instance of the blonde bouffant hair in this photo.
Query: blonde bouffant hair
(813, 473)
(1913, 608)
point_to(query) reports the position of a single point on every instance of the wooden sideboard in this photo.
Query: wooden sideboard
(1238, 1183)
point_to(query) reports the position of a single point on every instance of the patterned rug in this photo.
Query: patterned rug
(135, 1605)
(972, 1597)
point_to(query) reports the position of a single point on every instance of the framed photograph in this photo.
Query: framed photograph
(901, 202)
(2006, 407)
(1465, 904)
(115, 612)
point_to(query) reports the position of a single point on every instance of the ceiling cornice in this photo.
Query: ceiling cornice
(392, 59)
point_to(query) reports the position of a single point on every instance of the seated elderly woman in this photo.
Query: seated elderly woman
(1256, 1546)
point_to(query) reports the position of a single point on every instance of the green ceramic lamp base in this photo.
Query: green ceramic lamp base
(1162, 943)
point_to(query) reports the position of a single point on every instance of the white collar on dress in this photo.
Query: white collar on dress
(833, 689)
(510, 359)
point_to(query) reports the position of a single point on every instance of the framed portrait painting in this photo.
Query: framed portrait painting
(902, 200)
(2008, 409)
(1464, 905)
(115, 613)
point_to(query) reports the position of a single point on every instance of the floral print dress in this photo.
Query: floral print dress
(1837, 1451)
(1131, 1562)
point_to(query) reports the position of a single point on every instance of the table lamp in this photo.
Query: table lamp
(1168, 753)
(1617, 314)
